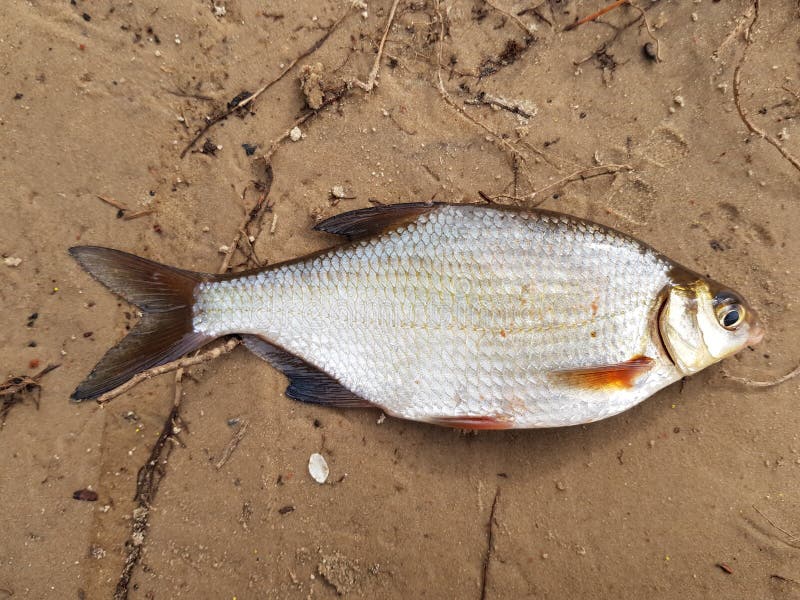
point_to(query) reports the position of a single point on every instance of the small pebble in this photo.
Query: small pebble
(12, 261)
(295, 134)
(695, 17)
(679, 101)
(560, 486)
(337, 191)
(318, 468)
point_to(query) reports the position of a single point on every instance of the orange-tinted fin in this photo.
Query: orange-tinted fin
(616, 376)
(164, 295)
(472, 422)
(306, 382)
(374, 220)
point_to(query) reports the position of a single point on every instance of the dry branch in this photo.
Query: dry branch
(182, 363)
(252, 97)
(751, 127)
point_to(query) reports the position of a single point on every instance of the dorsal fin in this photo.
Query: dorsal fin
(306, 382)
(377, 219)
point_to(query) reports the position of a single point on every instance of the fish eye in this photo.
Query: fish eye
(730, 316)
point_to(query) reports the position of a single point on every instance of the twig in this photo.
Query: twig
(764, 384)
(647, 26)
(515, 108)
(534, 10)
(13, 390)
(737, 95)
(273, 145)
(519, 22)
(376, 67)
(112, 202)
(786, 579)
(581, 175)
(792, 537)
(254, 214)
(596, 15)
(136, 215)
(449, 100)
(252, 97)
(147, 481)
(182, 363)
(487, 557)
(232, 445)
(182, 94)
(604, 47)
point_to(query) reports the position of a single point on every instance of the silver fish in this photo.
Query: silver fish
(470, 316)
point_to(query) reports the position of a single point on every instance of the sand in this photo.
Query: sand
(693, 493)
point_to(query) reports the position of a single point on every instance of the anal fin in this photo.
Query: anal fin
(306, 382)
(478, 422)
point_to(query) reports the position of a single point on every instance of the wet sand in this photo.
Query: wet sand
(99, 99)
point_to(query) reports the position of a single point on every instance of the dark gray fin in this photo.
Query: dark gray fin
(306, 382)
(164, 295)
(377, 219)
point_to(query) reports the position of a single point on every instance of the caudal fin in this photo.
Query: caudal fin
(164, 295)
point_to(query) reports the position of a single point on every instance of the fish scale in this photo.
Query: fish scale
(466, 311)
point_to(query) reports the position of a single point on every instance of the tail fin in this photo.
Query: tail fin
(164, 295)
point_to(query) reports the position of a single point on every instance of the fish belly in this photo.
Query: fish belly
(466, 312)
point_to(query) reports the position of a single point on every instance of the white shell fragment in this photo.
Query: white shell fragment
(295, 134)
(318, 468)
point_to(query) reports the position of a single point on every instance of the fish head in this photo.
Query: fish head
(701, 322)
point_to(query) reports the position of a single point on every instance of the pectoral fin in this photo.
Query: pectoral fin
(306, 382)
(617, 376)
(377, 219)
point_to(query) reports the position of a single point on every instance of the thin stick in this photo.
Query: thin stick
(519, 22)
(515, 108)
(596, 15)
(232, 445)
(376, 67)
(112, 202)
(581, 175)
(252, 97)
(792, 537)
(147, 481)
(737, 96)
(765, 384)
(182, 363)
(136, 215)
(647, 26)
(489, 546)
(449, 100)
(253, 214)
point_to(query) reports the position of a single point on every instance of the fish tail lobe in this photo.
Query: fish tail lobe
(165, 296)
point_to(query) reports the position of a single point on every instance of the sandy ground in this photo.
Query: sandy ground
(99, 98)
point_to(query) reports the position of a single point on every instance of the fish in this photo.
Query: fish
(473, 316)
